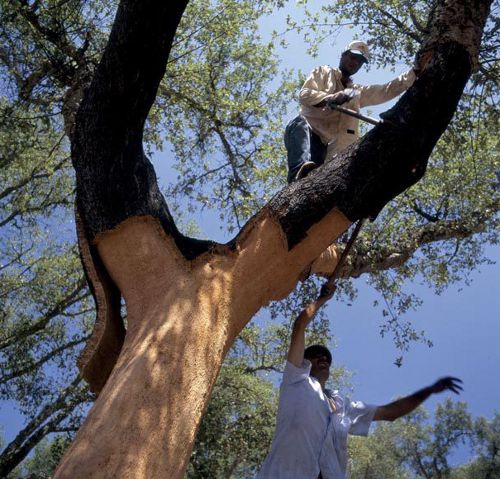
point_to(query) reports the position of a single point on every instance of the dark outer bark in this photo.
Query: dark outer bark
(387, 160)
(115, 179)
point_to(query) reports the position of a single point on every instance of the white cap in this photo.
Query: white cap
(358, 48)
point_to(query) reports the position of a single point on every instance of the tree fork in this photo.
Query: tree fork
(183, 316)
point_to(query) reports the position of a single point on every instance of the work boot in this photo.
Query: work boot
(305, 169)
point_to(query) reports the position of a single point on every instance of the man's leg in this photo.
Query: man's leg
(298, 146)
(318, 149)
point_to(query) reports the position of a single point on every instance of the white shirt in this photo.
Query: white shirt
(309, 436)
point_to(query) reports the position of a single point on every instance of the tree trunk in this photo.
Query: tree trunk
(182, 318)
(187, 300)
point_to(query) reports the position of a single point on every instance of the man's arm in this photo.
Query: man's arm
(405, 405)
(298, 341)
(313, 92)
(313, 89)
(376, 94)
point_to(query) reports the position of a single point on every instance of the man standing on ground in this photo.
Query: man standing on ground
(310, 441)
(319, 132)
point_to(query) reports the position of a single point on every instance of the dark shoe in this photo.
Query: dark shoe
(305, 169)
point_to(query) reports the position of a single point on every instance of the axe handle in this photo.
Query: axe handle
(330, 283)
(355, 114)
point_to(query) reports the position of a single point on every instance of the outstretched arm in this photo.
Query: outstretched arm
(377, 94)
(297, 341)
(405, 405)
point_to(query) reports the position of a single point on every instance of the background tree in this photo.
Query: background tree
(413, 447)
(487, 444)
(42, 463)
(45, 302)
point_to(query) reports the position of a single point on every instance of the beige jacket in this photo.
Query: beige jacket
(336, 129)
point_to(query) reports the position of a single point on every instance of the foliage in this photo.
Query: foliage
(221, 115)
(45, 308)
(44, 460)
(487, 445)
(413, 447)
(49, 46)
(237, 427)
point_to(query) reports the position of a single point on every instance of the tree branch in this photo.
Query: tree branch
(71, 298)
(404, 28)
(416, 23)
(31, 367)
(36, 174)
(36, 430)
(57, 38)
(364, 261)
(421, 212)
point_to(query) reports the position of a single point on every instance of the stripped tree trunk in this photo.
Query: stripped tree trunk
(186, 299)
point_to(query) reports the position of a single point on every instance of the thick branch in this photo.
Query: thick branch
(365, 261)
(115, 180)
(387, 160)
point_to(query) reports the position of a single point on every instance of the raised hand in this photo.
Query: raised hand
(447, 383)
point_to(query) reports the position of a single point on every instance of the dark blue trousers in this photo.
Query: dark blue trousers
(302, 145)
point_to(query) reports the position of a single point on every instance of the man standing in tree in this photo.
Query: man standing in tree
(310, 440)
(319, 131)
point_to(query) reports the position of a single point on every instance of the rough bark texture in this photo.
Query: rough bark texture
(187, 300)
(115, 179)
(459, 22)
